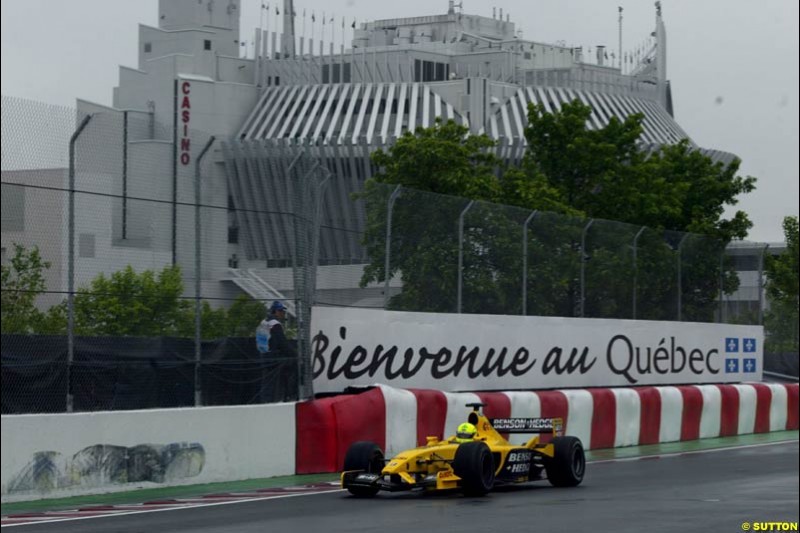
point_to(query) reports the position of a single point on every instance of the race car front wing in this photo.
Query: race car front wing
(390, 483)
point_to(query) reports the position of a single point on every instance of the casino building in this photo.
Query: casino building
(301, 95)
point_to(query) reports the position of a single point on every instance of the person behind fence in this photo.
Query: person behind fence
(279, 378)
(270, 335)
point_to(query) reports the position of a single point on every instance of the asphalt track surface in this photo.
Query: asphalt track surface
(699, 491)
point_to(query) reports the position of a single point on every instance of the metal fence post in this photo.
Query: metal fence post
(316, 228)
(761, 285)
(198, 388)
(721, 314)
(583, 266)
(461, 252)
(304, 271)
(71, 261)
(124, 175)
(388, 244)
(680, 277)
(525, 263)
(636, 269)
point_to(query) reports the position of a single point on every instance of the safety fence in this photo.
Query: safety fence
(122, 285)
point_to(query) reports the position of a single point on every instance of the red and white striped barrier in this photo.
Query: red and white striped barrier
(397, 419)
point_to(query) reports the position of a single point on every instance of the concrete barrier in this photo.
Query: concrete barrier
(45, 456)
(397, 419)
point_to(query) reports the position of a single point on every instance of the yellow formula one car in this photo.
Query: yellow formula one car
(473, 462)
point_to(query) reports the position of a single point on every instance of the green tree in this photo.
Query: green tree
(781, 320)
(212, 321)
(130, 303)
(442, 168)
(22, 281)
(606, 174)
(149, 304)
(575, 174)
(243, 317)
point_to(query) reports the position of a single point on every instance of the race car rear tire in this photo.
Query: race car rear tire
(474, 464)
(366, 456)
(567, 467)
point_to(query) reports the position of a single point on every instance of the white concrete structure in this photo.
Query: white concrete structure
(71, 454)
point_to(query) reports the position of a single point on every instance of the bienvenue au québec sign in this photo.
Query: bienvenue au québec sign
(451, 352)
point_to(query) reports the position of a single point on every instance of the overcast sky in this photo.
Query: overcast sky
(733, 64)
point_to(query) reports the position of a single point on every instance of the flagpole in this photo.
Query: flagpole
(620, 40)
(266, 46)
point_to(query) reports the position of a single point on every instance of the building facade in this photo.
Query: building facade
(297, 95)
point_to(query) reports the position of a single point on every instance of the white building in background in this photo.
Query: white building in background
(298, 93)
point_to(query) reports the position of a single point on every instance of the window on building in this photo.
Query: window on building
(86, 245)
(529, 74)
(430, 71)
(206, 44)
(277, 80)
(148, 47)
(13, 207)
(440, 74)
(336, 73)
(746, 262)
(233, 235)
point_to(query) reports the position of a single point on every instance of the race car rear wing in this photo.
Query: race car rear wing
(528, 425)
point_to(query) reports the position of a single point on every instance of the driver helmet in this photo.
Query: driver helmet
(466, 432)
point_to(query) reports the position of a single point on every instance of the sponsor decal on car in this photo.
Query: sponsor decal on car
(530, 425)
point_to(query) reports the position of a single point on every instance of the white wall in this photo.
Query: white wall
(209, 444)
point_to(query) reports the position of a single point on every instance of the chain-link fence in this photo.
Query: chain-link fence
(454, 255)
(122, 283)
(139, 260)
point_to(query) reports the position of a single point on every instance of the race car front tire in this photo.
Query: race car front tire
(568, 465)
(368, 457)
(474, 464)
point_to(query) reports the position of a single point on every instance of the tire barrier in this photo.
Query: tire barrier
(397, 419)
